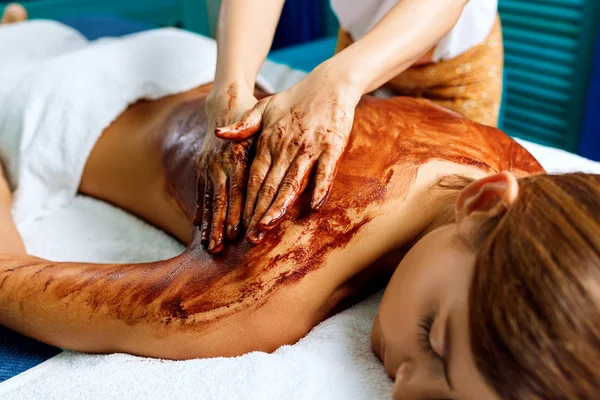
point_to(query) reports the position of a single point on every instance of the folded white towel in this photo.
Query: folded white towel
(60, 103)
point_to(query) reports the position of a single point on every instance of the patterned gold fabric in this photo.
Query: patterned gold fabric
(470, 84)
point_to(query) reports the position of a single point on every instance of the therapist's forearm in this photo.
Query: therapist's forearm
(405, 34)
(244, 35)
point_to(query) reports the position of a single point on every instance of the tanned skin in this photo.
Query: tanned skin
(249, 297)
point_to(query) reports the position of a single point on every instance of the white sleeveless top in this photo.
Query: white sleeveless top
(358, 17)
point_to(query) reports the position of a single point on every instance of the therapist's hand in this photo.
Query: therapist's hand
(223, 168)
(304, 127)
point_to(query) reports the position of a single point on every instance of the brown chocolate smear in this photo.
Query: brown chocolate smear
(390, 140)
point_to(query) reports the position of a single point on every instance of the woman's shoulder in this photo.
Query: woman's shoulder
(413, 131)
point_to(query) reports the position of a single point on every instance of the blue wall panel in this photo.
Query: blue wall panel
(590, 138)
(549, 46)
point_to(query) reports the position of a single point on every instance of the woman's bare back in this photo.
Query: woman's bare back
(260, 296)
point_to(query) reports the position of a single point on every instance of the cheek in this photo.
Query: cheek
(410, 295)
(402, 296)
(402, 314)
(395, 323)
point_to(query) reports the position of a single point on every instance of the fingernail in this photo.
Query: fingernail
(265, 221)
(233, 231)
(212, 245)
(255, 236)
(268, 221)
(317, 204)
(216, 250)
(267, 225)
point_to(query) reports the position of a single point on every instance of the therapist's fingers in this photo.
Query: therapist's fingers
(324, 178)
(206, 213)
(258, 172)
(269, 190)
(249, 125)
(237, 185)
(219, 212)
(291, 188)
(199, 202)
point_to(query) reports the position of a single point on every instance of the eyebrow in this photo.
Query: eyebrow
(447, 350)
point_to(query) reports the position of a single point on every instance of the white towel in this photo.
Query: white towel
(333, 361)
(95, 83)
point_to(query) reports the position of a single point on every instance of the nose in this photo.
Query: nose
(411, 385)
(405, 372)
(403, 390)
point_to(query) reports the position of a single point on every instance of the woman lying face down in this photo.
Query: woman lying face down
(391, 209)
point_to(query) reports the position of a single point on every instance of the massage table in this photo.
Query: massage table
(340, 345)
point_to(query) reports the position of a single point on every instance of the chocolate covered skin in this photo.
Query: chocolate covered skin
(250, 297)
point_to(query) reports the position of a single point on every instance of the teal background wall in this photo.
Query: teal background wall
(159, 12)
(549, 52)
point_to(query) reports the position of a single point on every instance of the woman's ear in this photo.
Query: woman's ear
(484, 199)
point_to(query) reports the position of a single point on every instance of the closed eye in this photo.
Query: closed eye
(424, 337)
(425, 326)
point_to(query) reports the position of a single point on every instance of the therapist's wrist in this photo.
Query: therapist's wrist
(347, 79)
(232, 86)
(346, 86)
(242, 79)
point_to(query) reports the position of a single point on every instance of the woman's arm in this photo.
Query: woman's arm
(244, 35)
(403, 36)
(177, 309)
(58, 304)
